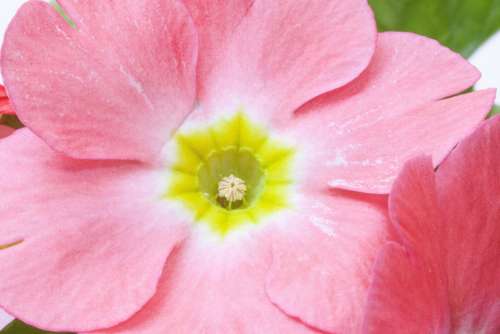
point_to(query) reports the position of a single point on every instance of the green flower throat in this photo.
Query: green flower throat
(231, 174)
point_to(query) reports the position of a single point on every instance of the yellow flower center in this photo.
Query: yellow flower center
(231, 174)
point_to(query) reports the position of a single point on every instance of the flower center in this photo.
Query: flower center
(231, 178)
(231, 174)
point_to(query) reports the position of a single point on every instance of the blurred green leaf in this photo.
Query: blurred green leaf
(18, 327)
(462, 25)
(12, 121)
(495, 111)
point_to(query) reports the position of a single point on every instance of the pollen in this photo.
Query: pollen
(232, 189)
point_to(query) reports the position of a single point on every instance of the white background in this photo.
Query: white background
(486, 59)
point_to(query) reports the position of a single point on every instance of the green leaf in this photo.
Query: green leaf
(495, 111)
(12, 121)
(462, 25)
(18, 327)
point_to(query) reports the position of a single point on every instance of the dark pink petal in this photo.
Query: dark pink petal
(211, 286)
(413, 207)
(270, 57)
(82, 243)
(468, 185)
(5, 107)
(5, 131)
(409, 291)
(448, 278)
(364, 132)
(407, 296)
(115, 87)
(323, 256)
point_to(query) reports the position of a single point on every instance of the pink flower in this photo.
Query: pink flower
(444, 278)
(174, 186)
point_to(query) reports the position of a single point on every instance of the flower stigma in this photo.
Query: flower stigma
(232, 189)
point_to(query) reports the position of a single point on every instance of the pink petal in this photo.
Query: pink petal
(323, 257)
(448, 281)
(270, 57)
(216, 21)
(5, 131)
(468, 185)
(406, 296)
(115, 87)
(213, 287)
(409, 292)
(379, 150)
(414, 192)
(5, 107)
(88, 240)
(364, 132)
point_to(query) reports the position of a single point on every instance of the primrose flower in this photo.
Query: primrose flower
(211, 166)
(444, 278)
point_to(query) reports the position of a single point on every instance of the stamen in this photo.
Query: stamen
(232, 188)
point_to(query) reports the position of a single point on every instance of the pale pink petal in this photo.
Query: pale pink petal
(368, 157)
(5, 131)
(5, 107)
(364, 132)
(216, 21)
(451, 231)
(214, 287)
(83, 243)
(114, 87)
(358, 136)
(280, 53)
(375, 153)
(323, 257)
(406, 71)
